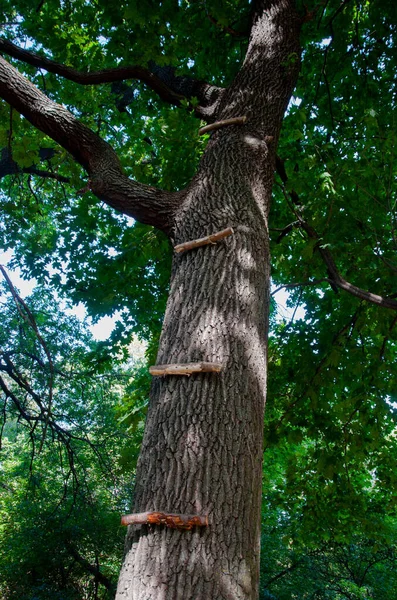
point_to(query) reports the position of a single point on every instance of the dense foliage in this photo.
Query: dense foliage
(65, 469)
(330, 470)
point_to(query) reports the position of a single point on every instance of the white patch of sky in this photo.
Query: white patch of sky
(325, 42)
(102, 40)
(100, 330)
(284, 312)
(294, 101)
(104, 327)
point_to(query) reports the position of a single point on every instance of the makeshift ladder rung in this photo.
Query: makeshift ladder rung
(174, 521)
(223, 123)
(209, 239)
(185, 369)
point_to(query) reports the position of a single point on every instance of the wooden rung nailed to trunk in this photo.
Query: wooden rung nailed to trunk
(209, 239)
(224, 123)
(174, 521)
(185, 369)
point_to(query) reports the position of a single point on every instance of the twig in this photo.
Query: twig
(226, 27)
(4, 415)
(10, 132)
(28, 317)
(300, 284)
(87, 566)
(338, 10)
(286, 230)
(386, 338)
(46, 174)
(344, 330)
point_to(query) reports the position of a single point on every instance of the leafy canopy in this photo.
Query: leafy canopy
(330, 459)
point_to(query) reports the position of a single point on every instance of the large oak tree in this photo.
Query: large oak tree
(203, 444)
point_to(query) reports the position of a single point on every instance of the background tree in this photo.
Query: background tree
(333, 207)
(65, 472)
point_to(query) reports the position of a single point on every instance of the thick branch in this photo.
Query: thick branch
(162, 80)
(95, 77)
(107, 179)
(208, 95)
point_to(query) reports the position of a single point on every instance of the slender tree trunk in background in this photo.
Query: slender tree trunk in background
(202, 449)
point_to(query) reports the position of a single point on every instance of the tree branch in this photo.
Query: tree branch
(335, 277)
(8, 166)
(37, 416)
(162, 80)
(300, 284)
(283, 573)
(339, 281)
(28, 317)
(87, 566)
(227, 29)
(338, 10)
(346, 330)
(386, 338)
(107, 179)
(285, 231)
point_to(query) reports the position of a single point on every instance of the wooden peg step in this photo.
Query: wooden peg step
(209, 239)
(174, 521)
(224, 123)
(185, 369)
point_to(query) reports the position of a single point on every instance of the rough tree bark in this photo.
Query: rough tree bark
(202, 449)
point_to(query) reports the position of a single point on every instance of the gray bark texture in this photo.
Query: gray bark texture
(202, 448)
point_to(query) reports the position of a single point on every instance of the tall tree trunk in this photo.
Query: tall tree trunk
(202, 449)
